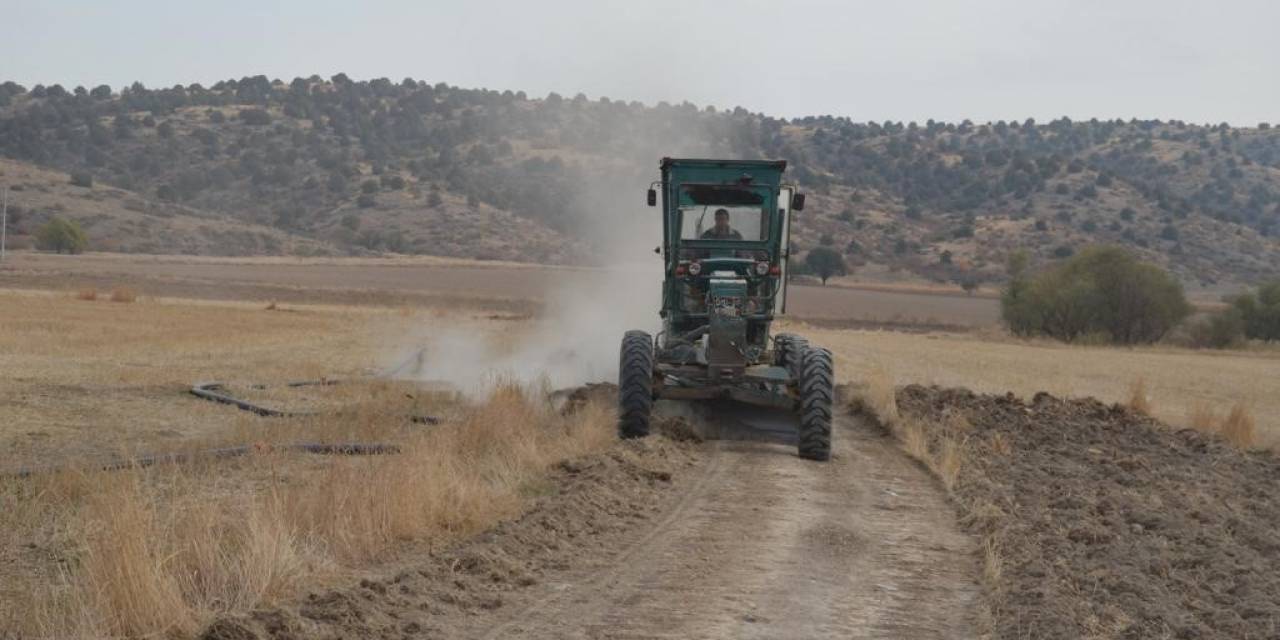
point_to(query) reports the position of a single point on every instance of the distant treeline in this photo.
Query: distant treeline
(289, 153)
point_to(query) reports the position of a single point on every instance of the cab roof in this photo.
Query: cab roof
(778, 165)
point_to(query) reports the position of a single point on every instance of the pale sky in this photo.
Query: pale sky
(1200, 61)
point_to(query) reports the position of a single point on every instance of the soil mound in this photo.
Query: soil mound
(1110, 524)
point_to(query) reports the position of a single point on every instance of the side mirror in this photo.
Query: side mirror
(653, 198)
(797, 202)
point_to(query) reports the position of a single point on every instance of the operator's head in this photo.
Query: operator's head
(722, 219)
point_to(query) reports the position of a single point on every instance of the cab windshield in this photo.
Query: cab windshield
(740, 223)
(713, 212)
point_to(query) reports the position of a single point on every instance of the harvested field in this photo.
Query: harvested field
(1177, 381)
(503, 286)
(1103, 523)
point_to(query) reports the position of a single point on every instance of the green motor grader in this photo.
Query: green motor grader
(725, 231)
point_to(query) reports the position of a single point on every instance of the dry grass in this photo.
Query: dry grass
(880, 397)
(1139, 401)
(162, 551)
(940, 448)
(947, 462)
(913, 440)
(1239, 427)
(123, 294)
(1201, 416)
(992, 561)
(87, 293)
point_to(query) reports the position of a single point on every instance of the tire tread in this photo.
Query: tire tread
(635, 385)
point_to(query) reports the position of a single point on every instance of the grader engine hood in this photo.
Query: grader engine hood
(727, 347)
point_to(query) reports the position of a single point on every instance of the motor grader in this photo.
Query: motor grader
(725, 234)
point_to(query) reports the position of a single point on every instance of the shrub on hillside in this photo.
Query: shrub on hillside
(1102, 293)
(82, 179)
(1221, 330)
(256, 117)
(63, 236)
(1260, 311)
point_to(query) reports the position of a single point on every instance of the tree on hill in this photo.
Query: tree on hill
(1102, 293)
(62, 236)
(825, 262)
(255, 117)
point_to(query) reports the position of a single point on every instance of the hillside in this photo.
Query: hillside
(124, 221)
(409, 167)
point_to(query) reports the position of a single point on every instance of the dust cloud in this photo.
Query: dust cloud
(575, 339)
(576, 336)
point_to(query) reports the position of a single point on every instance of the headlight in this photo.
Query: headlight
(695, 268)
(762, 268)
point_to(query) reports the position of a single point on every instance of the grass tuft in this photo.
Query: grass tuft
(1239, 427)
(880, 396)
(123, 294)
(946, 464)
(1139, 401)
(87, 293)
(992, 561)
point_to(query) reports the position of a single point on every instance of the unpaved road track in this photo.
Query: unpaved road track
(764, 545)
(732, 538)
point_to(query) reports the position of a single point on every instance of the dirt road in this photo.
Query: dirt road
(764, 545)
(731, 538)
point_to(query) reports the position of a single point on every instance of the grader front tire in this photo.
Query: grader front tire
(635, 385)
(817, 391)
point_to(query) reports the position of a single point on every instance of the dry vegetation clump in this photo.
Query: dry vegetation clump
(123, 294)
(1238, 427)
(1139, 401)
(943, 456)
(87, 293)
(161, 551)
(1098, 521)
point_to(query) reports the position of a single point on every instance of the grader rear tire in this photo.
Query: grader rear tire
(817, 389)
(789, 350)
(635, 385)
